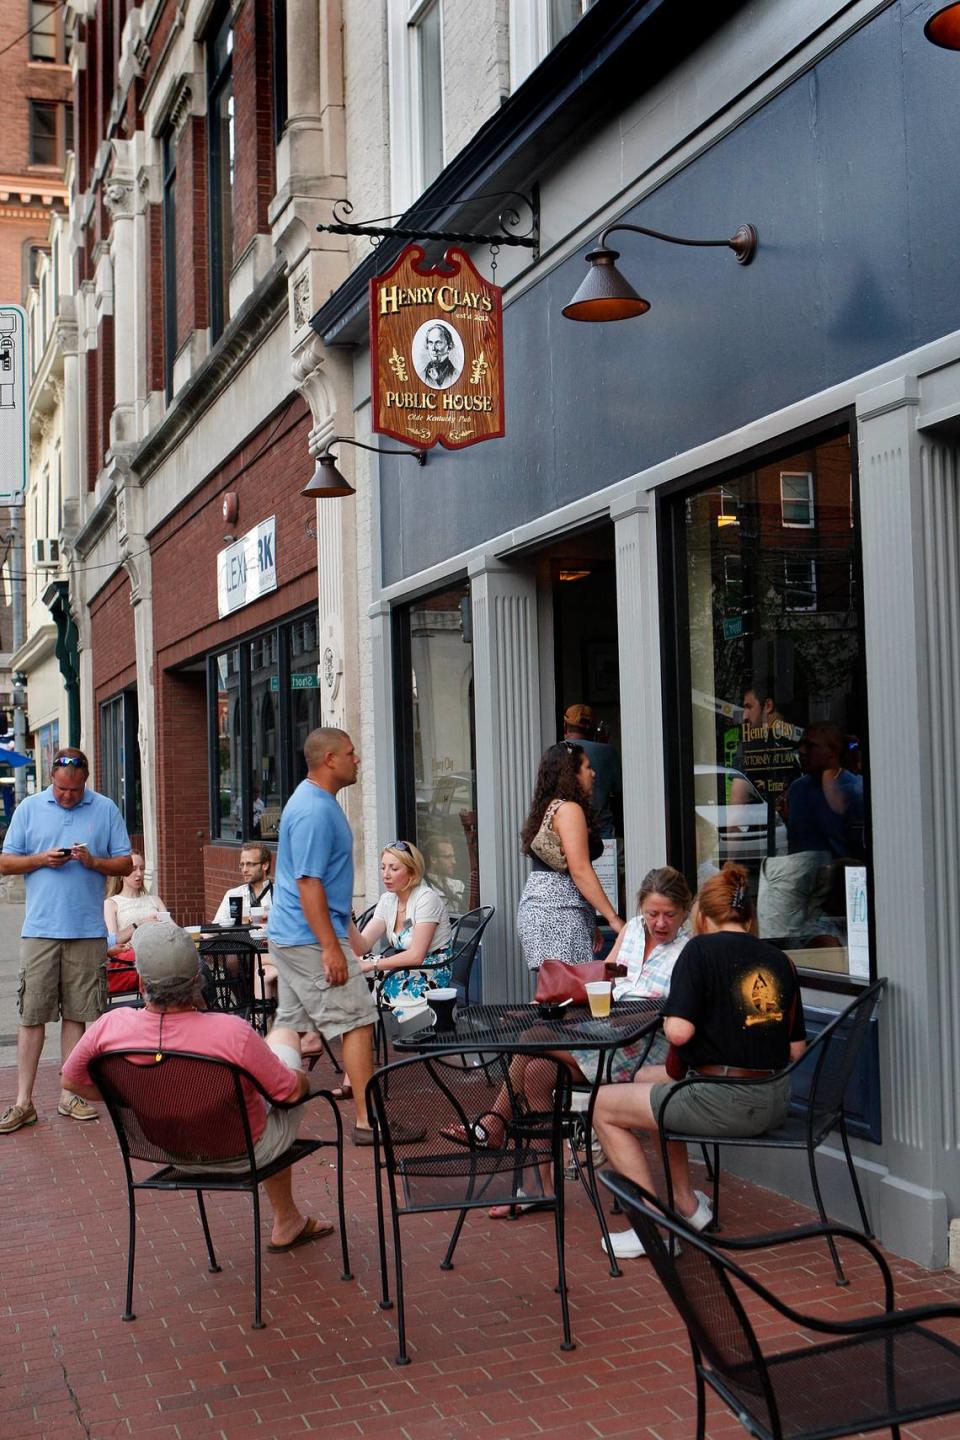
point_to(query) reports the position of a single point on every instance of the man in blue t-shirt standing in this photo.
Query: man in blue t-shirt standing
(64, 842)
(310, 928)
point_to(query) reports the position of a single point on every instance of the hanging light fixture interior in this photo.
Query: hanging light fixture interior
(943, 28)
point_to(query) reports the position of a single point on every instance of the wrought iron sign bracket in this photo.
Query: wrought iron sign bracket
(510, 219)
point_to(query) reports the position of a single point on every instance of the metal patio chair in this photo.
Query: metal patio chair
(231, 969)
(884, 1369)
(449, 1168)
(829, 1059)
(190, 1109)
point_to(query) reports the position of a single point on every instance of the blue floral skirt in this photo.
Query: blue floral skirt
(408, 988)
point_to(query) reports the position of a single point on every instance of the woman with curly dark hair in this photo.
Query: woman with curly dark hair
(556, 917)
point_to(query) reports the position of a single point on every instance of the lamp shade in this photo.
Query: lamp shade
(327, 482)
(604, 294)
(944, 28)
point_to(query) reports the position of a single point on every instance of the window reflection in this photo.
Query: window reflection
(265, 776)
(777, 711)
(228, 744)
(441, 657)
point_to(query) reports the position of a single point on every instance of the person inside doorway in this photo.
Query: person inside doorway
(579, 726)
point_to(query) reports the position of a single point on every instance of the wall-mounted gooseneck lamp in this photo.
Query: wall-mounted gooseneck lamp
(328, 484)
(943, 28)
(606, 295)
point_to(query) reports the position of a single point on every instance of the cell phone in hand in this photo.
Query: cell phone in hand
(64, 850)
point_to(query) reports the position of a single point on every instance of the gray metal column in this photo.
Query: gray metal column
(911, 563)
(638, 624)
(507, 711)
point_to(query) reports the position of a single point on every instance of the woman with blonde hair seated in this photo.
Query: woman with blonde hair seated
(128, 905)
(413, 919)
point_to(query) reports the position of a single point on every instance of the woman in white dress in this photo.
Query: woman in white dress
(130, 905)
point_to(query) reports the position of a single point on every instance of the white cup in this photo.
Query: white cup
(258, 915)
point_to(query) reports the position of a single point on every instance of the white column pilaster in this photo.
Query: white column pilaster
(638, 620)
(507, 711)
(904, 810)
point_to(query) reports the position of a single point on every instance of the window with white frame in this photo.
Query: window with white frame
(800, 584)
(535, 27)
(796, 499)
(415, 39)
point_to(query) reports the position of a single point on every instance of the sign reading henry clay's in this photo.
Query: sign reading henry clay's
(436, 352)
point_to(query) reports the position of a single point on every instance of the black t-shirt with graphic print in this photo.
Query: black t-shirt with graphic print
(743, 996)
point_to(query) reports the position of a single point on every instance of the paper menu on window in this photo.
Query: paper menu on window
(858, 937)
(607, 871)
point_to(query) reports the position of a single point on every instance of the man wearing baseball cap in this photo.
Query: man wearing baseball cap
(169, 970)
(578, 726)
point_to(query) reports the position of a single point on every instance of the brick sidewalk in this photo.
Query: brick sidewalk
(484, 1337)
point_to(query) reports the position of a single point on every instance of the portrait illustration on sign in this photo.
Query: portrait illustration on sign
(437, 354)
(436, 348)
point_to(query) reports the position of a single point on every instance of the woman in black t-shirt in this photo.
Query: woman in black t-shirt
(733, 1010)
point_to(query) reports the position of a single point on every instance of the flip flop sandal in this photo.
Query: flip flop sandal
(342, 1092)
(312, 1230)
(460, 1134)
(518, 1208)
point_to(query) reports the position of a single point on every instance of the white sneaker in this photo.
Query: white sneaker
(703, 1214)
(626, 1245)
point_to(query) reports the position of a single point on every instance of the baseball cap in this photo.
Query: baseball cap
(579, 715)
(163, 951)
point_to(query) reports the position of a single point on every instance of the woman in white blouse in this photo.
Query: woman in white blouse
(129, 905)
(413, 919)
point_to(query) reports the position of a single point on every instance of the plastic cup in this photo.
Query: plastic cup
(258, 915)
(598, 995)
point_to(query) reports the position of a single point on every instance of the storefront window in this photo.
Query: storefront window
(264, 703)
(774, 713)
(265, 700)
(227, 781)
(440, 804)
(48, 743)
(119, 756)
(304, 688)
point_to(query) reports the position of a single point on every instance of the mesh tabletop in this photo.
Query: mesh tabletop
(519, 1027)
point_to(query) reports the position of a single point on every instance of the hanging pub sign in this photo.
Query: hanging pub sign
(436, 352)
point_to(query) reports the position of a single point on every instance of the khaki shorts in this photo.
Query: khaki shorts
(726, 1109)
(278, 1134)
(61, 979)
(305, 1001)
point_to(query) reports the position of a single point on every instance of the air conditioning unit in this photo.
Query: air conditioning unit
(45, 554)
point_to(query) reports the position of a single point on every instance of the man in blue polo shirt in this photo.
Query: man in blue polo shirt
(64, 842)
(310, 928)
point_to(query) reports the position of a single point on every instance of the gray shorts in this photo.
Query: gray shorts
(725, 1108)
(61, 979)
(305, 1001)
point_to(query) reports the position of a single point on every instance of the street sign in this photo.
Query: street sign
(733, 628)
(13, 404)
(297, 682)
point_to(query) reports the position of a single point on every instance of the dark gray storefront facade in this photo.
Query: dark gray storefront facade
(756, 481)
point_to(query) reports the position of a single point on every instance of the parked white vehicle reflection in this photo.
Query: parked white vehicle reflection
(741, 830)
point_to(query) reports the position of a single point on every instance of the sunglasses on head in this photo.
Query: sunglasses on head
(69, 760)
(398, 845)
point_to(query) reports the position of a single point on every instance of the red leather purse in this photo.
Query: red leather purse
(557, 981)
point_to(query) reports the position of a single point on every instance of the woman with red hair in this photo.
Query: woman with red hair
(733, 1010)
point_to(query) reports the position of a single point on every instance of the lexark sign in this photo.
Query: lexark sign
(436, 352)
(247, 569)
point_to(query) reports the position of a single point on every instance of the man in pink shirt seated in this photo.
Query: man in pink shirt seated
(168, 966)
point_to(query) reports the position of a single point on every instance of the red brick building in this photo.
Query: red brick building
(195, 560)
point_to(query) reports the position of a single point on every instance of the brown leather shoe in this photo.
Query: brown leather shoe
(15, 1117)
(76, 1109)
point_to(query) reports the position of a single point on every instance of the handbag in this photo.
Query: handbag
(558, 981)
(546, 844)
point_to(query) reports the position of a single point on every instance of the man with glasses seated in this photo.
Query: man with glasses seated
(65, 842)
(256, 889)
